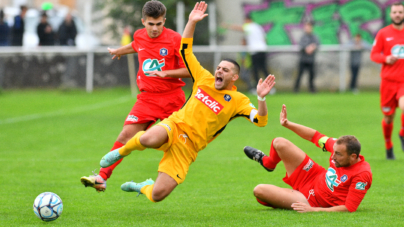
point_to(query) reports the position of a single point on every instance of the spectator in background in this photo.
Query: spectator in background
(18, 27)
(356, 46)
(244, 59)
(126, 38)
(308, 47)
(256, 43)
(4, 30)
(45, 32)
(67, 32)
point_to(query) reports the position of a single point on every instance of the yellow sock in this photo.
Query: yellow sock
(147, 191)
(132, 144)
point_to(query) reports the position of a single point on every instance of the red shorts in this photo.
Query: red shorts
(390, 93)
(151, 107)
(304, 177)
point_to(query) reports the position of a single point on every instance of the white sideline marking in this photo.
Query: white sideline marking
(64, 112)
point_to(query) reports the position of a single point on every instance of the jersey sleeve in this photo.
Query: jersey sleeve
(248, 111)
(376, 52)
(190, 61)
(134, 46)
(178, 59)
(357, 190)
(324, 142)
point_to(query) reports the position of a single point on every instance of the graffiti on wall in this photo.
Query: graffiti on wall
(333, 19)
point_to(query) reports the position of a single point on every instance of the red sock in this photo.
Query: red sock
(387, 129)
(265, 203)
(402, 125)
(272, 160)
(106, 172)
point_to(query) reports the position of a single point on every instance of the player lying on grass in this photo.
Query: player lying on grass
(214, 102)
(339, 188)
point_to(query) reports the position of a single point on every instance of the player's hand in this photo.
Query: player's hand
(264, 87)
(302, 207)
(391, 59)
(198, 13)
(310, 48)
(283, 118)
(114, 54)
(161, 74)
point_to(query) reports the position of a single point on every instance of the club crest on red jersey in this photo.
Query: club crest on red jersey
(344, 178)
(209, 101)
(163, 52)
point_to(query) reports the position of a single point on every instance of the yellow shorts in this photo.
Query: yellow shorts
(179, 152)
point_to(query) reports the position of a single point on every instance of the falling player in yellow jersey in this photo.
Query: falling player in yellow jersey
(214, 102)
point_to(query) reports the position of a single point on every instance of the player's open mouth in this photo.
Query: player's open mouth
(218, 80)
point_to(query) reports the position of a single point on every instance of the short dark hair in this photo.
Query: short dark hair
(154, 9)
(23, 7)
(236, 65)
(396, 4)
(352, 144)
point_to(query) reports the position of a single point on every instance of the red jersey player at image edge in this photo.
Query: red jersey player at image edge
(388, 50)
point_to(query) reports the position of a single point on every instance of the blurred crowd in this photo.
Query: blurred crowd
(65, 35)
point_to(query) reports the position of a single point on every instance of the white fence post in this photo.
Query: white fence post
(90, 71)
(180, 17)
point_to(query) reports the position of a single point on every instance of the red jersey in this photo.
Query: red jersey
(389, 41)
(344, 185)
(161, 53)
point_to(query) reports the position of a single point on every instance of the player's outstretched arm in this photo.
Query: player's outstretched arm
(263, 89)
(196, 15)
(174, 73)
(301, 130)
(117, 53)
(303, 208)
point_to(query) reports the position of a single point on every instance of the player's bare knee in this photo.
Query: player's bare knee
(125, 136)
(388, 118)
(260, 190)
(279, 143)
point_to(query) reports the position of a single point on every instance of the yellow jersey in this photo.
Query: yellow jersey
(208, 110)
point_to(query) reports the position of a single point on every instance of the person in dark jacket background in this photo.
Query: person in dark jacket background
(4, 30)
(67, 32)
(308, 47)
(18, 27)
(45, 32)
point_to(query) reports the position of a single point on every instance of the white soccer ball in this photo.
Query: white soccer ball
(48, 206)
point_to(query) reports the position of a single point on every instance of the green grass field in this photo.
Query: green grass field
(51, 138)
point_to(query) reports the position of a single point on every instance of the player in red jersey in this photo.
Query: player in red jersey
(158, 79)
(339, 188)
(388, 49)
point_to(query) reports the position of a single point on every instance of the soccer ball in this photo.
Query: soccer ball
(48, 206)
